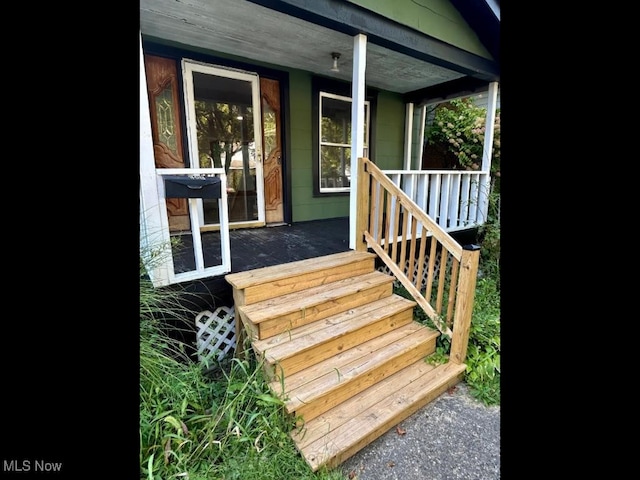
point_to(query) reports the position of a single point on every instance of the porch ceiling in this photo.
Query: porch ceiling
(247, 29)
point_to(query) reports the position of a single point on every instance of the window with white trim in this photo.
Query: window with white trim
(334, 172)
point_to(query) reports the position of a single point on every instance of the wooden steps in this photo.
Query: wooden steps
(333, 437)
(340, 349)
(295, 350)
(286, 312)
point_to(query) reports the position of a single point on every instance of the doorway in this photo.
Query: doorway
(224, 127)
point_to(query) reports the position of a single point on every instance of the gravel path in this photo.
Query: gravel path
(453, 437)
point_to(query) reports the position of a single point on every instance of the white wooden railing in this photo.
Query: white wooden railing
(455, 199)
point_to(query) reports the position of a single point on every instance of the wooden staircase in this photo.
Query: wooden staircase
(340, 349)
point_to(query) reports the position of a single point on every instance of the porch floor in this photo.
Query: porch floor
(262, 247)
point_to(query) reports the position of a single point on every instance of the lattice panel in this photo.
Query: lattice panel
(216, 333)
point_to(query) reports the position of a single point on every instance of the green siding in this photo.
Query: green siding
(389, 131)
(304, 205)
(437, 18)
(389, 144)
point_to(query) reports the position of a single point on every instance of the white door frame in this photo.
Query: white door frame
(190, 66)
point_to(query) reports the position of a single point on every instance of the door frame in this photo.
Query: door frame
(188, 67)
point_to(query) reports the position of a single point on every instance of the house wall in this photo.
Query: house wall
(432, 17)
(389, 131)
(304, 205)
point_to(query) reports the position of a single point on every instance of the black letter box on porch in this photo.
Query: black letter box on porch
(191, 186)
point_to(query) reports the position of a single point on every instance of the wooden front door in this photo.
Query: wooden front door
(162, 88)
(272, 144)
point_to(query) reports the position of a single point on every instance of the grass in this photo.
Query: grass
(197, 426)
(199, 423)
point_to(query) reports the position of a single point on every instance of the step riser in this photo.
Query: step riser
(298, 283)
(305, 358)
(298, 318)
(353, 386)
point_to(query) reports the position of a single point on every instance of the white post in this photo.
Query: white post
(492, 100)
(357, 126)
(483, 194)
(423, 120)
(408, 135)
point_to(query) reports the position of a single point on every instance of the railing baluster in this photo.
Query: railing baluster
(444, 204)
(412, 251)
(403, 250)
(474, 192)
(442, 275)
(423, 246)
(432, 267)
(434, 197)
(393, 227)
(454, 202)
(465, 199)
(380, 208)
(452, 290)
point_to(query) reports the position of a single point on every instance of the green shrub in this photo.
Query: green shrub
(458, 127)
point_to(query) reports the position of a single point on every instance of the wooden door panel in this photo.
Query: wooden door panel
(272, 145)
(162, 88)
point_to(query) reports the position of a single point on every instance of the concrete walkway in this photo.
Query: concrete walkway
(453, 437)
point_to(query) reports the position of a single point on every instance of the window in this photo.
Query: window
(334, 172)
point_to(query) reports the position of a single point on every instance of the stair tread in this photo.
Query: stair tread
(241, 280)
(335, 435)
(297, 301)
(302, 338)
(320, 380)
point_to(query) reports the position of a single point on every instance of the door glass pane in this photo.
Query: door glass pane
(224, 122)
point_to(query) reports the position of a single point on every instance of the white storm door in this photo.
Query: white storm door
(224, 131)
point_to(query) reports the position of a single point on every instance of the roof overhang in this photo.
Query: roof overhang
(301, 34)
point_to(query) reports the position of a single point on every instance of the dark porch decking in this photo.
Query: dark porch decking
(263, 247)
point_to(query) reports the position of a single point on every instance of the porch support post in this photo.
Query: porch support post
(408, 137)
(357, 129)
(492, 100)
(420, 139)
(485, 179)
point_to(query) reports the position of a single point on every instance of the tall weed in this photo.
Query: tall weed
(199, 423)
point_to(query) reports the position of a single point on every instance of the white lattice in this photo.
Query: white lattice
(216, 333)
